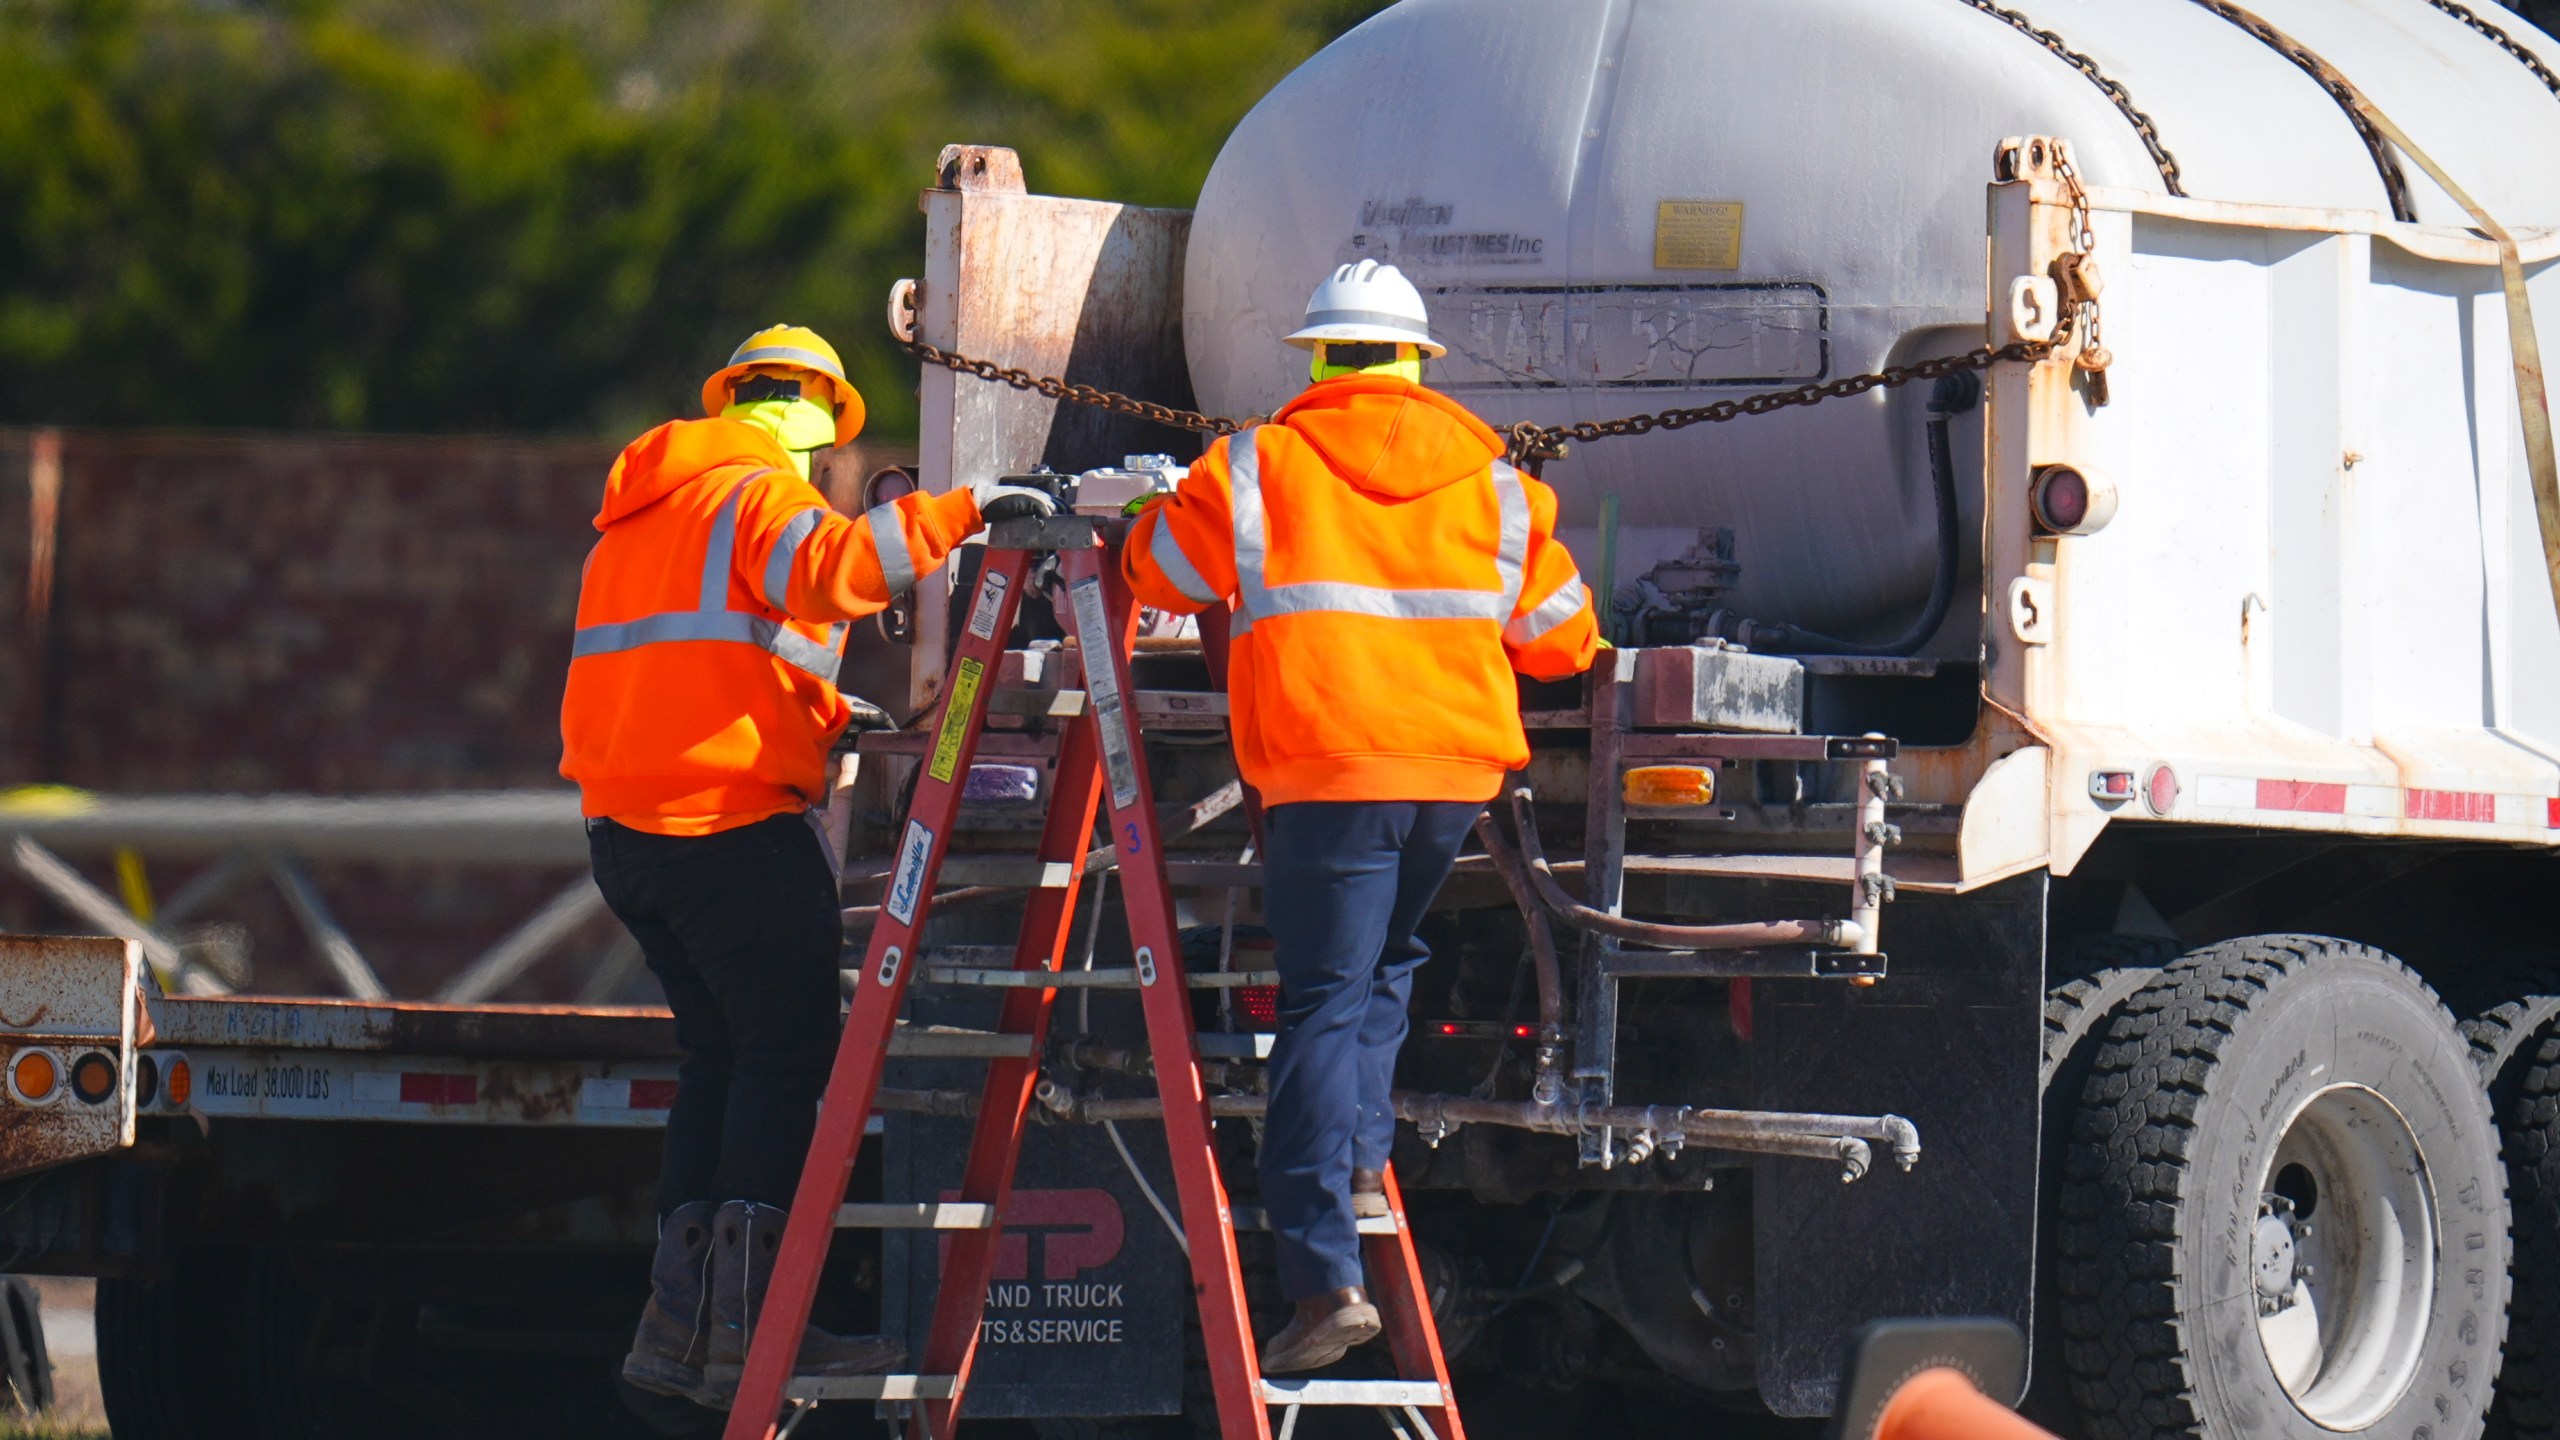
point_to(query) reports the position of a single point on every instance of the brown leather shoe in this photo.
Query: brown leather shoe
(1368, 1194)
(1323, 1331)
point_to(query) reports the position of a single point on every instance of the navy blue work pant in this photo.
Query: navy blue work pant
(1344, 883)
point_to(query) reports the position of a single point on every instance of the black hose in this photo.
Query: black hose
(1953, 395)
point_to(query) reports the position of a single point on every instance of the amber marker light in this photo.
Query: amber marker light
(35, 1077)
(177, 1082)
(1670, 785)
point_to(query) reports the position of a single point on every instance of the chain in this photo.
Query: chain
(2395, 181)
(2075, 275)
(2502, 40)
(1057, 389)
(2143, 125)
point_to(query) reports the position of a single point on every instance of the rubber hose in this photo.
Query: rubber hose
(1952, 396)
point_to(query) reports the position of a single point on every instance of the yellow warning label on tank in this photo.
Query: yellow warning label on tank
(955, 719)
(1697, 235)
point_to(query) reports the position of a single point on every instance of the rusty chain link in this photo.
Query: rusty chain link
(2502, 40)
(2143, 125)
(2074, 273)
(1057, 389)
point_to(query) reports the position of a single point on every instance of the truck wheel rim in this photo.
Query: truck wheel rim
(2343, 1258)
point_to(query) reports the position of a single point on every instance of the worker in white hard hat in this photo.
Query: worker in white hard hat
(1389, 573)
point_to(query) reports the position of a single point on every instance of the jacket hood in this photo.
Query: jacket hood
(1388, 436)
(678, 453)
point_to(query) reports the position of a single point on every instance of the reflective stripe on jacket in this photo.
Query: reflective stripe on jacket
(711, 619)
(1388, 573)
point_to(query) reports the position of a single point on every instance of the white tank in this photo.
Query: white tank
(1616, 206)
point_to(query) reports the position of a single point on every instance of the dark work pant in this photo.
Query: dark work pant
(743, 930)
(1344, 883)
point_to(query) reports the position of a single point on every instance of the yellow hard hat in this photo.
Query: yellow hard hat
(800, 348)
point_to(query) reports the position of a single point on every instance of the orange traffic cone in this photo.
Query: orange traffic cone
(1941, 1404)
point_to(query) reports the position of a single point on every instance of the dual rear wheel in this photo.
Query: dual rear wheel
(2279, 1206)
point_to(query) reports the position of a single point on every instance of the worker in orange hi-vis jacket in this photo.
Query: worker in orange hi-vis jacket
(700, 709)
(1388, 574)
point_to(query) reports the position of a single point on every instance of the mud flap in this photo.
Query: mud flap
(1948, 1040)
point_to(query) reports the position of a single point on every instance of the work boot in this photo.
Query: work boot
(675, 1328)
(1368, 1194)
(1323, 1330)
(745, 1237)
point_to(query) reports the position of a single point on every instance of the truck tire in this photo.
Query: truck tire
(2087, 978)
(2528, 1387)
(2284, 1212)
(163, 1367)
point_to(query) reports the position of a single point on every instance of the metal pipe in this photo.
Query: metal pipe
(1650, 1128)
(1868, 887)
(1747, 935)
(1548, 1086)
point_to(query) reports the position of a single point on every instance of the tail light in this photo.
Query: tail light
(93, 1078)
(1258, 1006)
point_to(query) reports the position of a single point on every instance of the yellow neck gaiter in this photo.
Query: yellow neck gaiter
(802, 426)
(1408, 364)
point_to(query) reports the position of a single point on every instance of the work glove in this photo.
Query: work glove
(998, 500)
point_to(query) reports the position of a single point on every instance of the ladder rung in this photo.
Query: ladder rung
(1392, 1393)
(938, 1043)
(1110, 977)
(1236, 1046)
(1006, 871)
(876, 1387)
(1056, 704)
(952, 1216)
(1254, 1217)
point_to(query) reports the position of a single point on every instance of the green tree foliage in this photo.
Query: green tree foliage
(519, 215)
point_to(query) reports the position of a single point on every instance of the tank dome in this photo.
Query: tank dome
(1617, 206)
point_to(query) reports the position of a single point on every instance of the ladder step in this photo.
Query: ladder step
(876, 1387)
(952, 1216)
(1254, 1217)
(1109, 977)
(935, 1042)
(1237, 1045)
(1391, 1393)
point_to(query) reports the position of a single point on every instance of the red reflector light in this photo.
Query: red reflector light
(2111, 784)
(421, 1089)
(1523, 1032)
(1259, 1006)
(1448, 1029)
(2160, 790)
(653, 1094)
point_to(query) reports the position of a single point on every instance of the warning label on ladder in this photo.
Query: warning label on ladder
(1110, 717)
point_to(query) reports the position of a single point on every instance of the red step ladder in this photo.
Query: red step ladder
(1100, 764)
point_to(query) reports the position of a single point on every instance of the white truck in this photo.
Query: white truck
(2214, 636)
(2143, 582)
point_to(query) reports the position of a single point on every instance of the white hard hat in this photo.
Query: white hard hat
(1367, 303)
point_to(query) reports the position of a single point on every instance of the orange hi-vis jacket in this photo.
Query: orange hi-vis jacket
(1388, 573)
(710, 623)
